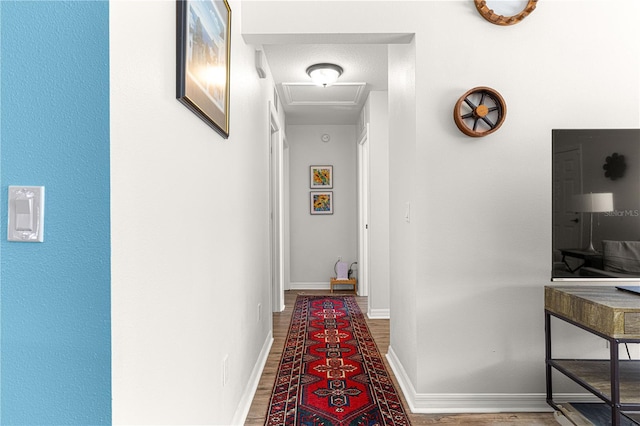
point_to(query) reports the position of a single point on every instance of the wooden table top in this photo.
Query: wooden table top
(604, 309)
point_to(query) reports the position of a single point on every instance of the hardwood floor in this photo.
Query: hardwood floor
(380, 331)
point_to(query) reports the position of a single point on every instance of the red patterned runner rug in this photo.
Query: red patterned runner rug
(331, 372)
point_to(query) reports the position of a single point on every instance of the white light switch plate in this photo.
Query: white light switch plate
(26, 214)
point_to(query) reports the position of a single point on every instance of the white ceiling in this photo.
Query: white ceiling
(339, 104)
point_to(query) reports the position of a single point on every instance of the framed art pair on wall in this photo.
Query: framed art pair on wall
(321, 177)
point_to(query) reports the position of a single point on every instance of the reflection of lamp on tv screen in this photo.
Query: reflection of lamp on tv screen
(593, 203)
(596, 204)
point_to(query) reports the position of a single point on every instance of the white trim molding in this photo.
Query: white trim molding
(475, 403)
(403, 379)
(310, 285)
(384, 313)
(242, 410)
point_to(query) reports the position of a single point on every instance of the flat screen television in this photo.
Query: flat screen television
(596, 204)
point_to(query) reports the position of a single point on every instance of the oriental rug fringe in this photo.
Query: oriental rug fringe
(331, 372)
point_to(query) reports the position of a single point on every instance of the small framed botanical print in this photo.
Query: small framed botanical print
(321, 177)
(321, 202)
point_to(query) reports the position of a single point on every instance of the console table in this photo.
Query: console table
(611, 314)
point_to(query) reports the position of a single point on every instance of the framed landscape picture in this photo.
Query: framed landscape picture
(321, 202)
(203, 57)
(321, 177)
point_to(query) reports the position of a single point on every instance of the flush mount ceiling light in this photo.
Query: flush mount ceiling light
(324, 74)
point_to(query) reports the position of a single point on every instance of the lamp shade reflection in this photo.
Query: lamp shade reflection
(592, 203)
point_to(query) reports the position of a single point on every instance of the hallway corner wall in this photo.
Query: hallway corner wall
(377, 115)
(190, 217)
(402, 240)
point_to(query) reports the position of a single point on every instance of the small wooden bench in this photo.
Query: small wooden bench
(351, 281)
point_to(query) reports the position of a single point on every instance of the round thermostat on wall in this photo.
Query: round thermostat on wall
(325, 137)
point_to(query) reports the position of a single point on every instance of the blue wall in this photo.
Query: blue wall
(55, 359)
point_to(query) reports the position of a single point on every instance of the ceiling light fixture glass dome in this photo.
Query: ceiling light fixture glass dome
(324, 74)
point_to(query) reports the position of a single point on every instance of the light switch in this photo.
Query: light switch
(26, 214)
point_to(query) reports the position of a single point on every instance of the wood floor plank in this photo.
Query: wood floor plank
(380, 331)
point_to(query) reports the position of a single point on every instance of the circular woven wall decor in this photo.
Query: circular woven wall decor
(494, 18)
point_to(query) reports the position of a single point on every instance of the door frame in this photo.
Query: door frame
(276, 210)
(561, 212)
(363, 212)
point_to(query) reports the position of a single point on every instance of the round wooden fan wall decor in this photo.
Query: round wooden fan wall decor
(498, 19)
(480, 112)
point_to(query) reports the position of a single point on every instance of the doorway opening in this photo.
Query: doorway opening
(277, 51)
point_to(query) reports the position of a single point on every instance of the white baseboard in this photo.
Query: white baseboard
(482, 403)
(310, 286)
(475, 403)
(403, 379)
(379, 313)
(242, 411)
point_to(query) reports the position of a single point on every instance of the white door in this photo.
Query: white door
(567, 181)
(363, 213)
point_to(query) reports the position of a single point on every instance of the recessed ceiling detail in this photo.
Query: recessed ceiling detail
(309, 94)
(361, 63)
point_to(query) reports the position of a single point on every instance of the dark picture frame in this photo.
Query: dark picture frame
(321, 202)
(321, 177)
(203, 60)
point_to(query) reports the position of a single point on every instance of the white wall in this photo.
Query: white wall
(485, 204)
(190, 231)
(316, 241)
(468, 272)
